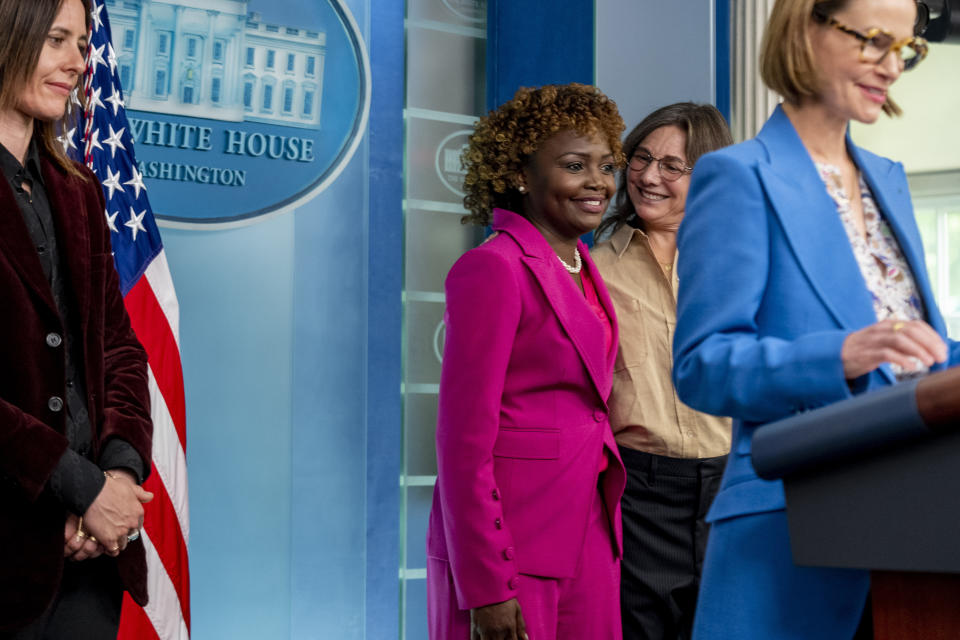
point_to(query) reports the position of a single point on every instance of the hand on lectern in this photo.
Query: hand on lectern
(901, 342)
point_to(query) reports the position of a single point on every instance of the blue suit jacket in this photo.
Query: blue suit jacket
(769, 290)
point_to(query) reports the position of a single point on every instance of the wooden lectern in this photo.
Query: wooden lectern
(874, 483)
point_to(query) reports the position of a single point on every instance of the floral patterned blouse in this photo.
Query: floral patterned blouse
(885, 270)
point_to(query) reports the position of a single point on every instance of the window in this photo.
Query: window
(248, 95)
(271, 58)
(937, 205)
(125, 77)
(291, 61)
(218, 50)
(192, 47)
(187, 94)
(160, 83)
(267, 98)
(250, 54)
(311, 65)
(288, 99)
(163, 43)
(128, 36)
(215, 90)
(308, 104)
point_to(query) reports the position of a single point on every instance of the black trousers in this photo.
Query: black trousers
(87, 606)
(664, 538)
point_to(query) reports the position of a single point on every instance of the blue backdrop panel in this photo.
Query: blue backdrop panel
(236, 307)
(328, 442)
(537, 42)
(384, 444)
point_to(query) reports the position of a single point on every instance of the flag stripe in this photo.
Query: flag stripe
(134, 622)
(165, 606)
(157, 339)
(168, 457)
(161, 524)
(158, 274)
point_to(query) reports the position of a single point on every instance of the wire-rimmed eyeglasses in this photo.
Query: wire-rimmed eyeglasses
(671, 168)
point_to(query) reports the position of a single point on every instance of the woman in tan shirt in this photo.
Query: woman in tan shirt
(674, 455)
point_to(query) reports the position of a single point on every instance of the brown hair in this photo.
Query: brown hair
(706, 131)
(506, 137)
(786, 55)
(24, 25)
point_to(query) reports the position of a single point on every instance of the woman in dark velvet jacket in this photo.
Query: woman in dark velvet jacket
(75, 431)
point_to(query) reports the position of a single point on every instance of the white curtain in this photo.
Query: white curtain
(751, 101)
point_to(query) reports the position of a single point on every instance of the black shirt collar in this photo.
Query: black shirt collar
(11, 167)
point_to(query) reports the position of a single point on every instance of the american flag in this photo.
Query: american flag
(104, 143)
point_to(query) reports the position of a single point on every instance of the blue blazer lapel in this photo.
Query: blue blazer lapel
(809, 218)
(888, 183)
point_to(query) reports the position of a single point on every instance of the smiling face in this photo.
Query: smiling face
(568, 182)
(47, 91)
(850, 88)
(659, 203)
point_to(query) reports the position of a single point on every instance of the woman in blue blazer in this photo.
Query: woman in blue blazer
(802, 282)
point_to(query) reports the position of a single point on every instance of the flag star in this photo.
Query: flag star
(95, 17)
(112, 220)
(136, 182)
(95, 56)
(95, 101)
(112, 183)
(114, 141)
(93, 142)
(115, 100)
(67, 140)
(111, 58)
(75, 97)
(136, 222)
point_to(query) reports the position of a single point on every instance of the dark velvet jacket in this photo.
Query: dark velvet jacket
(32, 434)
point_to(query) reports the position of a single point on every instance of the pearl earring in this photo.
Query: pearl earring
(522, 189)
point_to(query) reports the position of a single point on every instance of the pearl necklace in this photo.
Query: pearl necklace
(577, 264)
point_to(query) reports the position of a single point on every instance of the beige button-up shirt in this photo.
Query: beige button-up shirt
(645, 412)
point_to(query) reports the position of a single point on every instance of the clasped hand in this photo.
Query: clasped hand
(116, 513)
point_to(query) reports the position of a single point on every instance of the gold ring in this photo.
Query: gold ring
(897, 326)
(91, 539)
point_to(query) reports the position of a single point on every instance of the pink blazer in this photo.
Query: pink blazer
(522, 419)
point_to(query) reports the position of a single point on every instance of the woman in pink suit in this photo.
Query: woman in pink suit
(524, 538)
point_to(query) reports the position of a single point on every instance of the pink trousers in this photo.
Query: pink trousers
(586, 605)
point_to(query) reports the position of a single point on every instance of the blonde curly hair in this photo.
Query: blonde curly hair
(505, 138)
